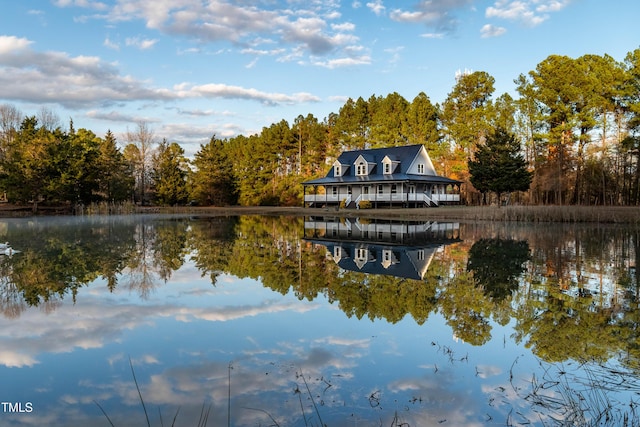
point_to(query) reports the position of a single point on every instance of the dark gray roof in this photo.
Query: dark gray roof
(406, 265)
(404, 154)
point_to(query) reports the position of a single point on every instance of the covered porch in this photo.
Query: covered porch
(384, 194)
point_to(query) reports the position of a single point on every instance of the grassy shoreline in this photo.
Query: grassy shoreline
(522, 214)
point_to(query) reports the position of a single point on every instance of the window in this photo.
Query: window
(337, 170)
(420, 168)
(361, 168)
(421, 254)
(380, 189)
(394, 188)
(334, 191)
(387, 168)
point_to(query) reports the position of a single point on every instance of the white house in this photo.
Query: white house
(384, 177)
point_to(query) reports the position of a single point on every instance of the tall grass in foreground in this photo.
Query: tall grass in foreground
(579, 396)
(561, 396)
(204, 413)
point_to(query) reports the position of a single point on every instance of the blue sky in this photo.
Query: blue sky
(194, 68)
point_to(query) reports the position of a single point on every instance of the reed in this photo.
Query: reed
(204, 412)
(580, 397)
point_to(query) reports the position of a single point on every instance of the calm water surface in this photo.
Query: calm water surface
(260, 321)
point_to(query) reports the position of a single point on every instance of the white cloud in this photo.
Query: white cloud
(433, 35)
(84, 81)
(489, 30)
(141, 44)
(81, 3)
(13, 44)
(345, 26)
(309, 25)
(376, 7)
(116, 116)
(13, 359)
(437, 14)
(344, 62)
(529, 12)
(217, 90)
(552, 6)
(108, 43)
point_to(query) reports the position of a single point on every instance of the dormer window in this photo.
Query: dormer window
(361, 168)
(337, 170)
(421, 168)
(389, 165)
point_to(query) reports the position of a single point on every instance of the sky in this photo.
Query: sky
(191, 69)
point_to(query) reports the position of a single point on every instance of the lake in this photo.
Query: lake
(286, 321)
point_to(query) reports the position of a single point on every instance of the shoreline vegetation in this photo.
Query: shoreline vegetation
(513, 213)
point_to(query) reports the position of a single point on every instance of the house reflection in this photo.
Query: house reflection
(397, 248)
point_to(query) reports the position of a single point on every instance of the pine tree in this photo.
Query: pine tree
(116, 181)
(212, 181)
(169, 174)
(499, 165)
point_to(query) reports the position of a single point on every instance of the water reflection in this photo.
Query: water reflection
(427, 313)
(400, 249)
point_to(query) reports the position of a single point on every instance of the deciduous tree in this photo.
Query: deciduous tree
(143, 140)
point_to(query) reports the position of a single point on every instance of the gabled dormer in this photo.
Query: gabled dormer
(389, 258)
(339, 168)
(362, 166)
(389, 165)
(339, 253)
(362, 256)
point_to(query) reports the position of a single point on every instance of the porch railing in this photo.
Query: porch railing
(384, 197)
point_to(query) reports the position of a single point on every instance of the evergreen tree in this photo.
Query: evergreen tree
(213, 182)
(72, 168)
(116, 181)
(25, 162)
(422, 124)
(499, 166)
(169, 173)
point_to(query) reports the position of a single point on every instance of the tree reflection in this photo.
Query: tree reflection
(61, 259)
(497, 264)
(570, 292)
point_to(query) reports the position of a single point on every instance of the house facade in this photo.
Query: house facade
(382, 177)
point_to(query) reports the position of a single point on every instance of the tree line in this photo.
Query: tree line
(574, 134)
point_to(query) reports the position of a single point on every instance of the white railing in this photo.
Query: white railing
(385, 197)
(433, 199)
(446, 197)
(321, 198)
(422, 197)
